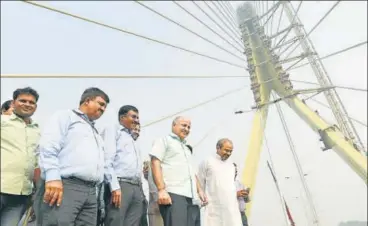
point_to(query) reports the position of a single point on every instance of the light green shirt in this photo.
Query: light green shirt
(176, 163)
(18, 154)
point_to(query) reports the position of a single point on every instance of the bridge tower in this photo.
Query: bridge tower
(268, 76)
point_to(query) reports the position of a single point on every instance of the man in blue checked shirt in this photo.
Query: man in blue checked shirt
(71, 159)
(124, 171)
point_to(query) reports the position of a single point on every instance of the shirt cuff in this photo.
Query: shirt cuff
(114, 184)
(52, 174)
(156, 156)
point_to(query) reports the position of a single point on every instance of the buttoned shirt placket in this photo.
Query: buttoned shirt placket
(94, 132)
(183, 145)
(135, 148)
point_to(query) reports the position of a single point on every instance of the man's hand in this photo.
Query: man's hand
(164, 198)
(242, 193)
(116, 198)
(203, 197)
(53, 192)
(36, 175)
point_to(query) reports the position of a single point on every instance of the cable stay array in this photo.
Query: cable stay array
(187, 29)
(315, 27)
(335, 53)
(194, 106)
(297, 163)
(132, 33)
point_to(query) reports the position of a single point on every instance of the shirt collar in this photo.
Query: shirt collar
(13, 116)
(85, 117)
(173, 135)
(123, 128)
(219, 158)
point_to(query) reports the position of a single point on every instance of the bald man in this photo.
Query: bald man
(171, 163)
(216, 175)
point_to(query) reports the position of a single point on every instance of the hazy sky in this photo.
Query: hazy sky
(37, 41)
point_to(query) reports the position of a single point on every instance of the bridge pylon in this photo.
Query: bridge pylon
(267, 75)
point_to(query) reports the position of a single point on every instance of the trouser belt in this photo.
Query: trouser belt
(85, 182)
(134, 181)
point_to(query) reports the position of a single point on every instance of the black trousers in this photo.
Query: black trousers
(78, 207)
(194, 215)
(180, 212)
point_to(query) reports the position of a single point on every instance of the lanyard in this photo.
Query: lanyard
(92, 126)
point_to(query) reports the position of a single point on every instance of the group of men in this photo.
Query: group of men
(76, 174)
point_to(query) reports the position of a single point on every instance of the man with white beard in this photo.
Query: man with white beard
(216, 175)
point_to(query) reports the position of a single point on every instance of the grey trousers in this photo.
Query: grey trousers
(130, 212)
(178, 213)
(154, 215)
(144, 219)
(12, 208)
(78, 207)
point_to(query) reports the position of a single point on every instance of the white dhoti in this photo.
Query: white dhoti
(217, 179)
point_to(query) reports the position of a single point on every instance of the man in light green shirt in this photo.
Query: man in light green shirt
(19, 139)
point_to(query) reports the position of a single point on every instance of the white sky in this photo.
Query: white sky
(36, 41)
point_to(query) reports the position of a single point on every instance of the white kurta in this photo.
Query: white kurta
(217, 179)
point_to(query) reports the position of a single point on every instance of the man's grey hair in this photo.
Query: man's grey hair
(177, 119)
(221, 142)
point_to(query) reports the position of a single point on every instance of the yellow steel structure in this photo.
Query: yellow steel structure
(264, 67)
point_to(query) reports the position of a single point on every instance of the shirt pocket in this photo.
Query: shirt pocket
(33, 137)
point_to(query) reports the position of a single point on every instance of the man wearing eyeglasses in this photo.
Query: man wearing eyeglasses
(173, 174)
(71, 159)
(124, 170)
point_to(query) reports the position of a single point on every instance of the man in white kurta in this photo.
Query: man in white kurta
(216, 176)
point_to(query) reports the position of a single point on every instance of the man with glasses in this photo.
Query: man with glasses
(124, 171)
(176, 183)
(19, 139)
(71, 158)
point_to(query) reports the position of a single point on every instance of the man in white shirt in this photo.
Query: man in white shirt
(216, 175)
(173, 174)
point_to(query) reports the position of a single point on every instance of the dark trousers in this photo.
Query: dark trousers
(144, 221)
(194, 215)
(12, 208)
(178, 213)
(244, 218)
(78, 207)
(131, 209)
